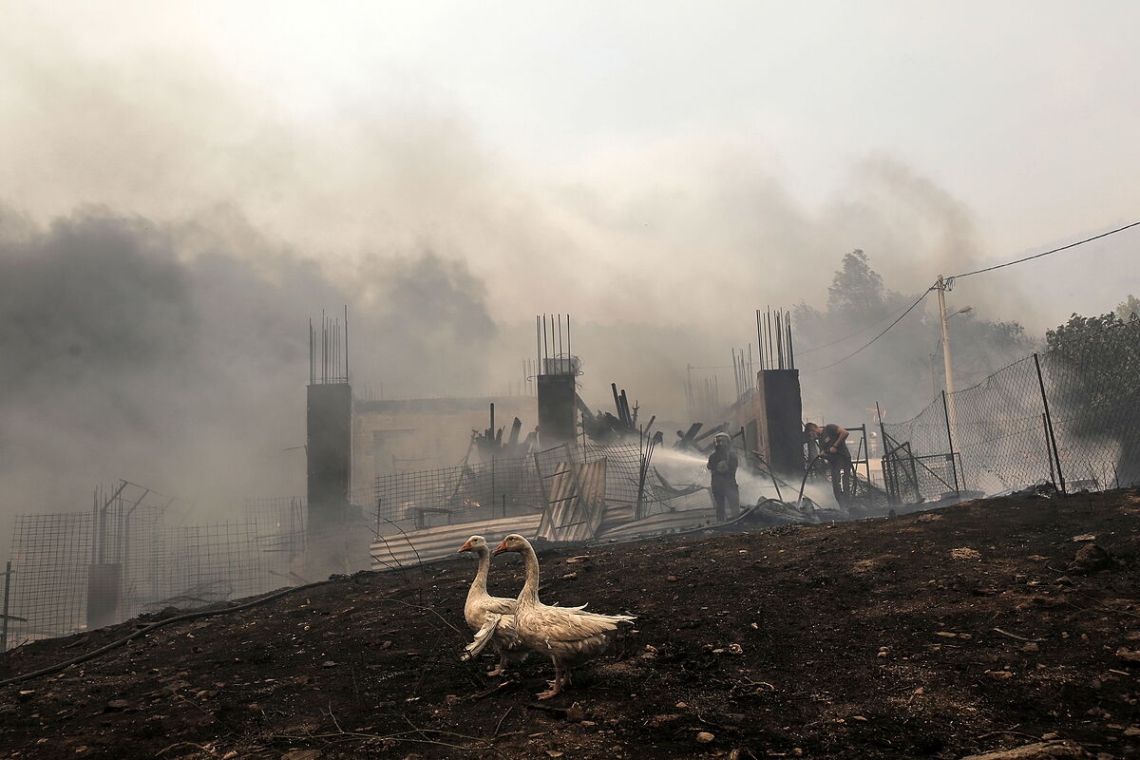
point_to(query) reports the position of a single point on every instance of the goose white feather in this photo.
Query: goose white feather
(490, 617)
(567, 635)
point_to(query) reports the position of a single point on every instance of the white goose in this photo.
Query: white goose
(569, 636)
(490, 617)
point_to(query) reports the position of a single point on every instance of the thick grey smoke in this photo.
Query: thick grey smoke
(163, 336)
(176, 356)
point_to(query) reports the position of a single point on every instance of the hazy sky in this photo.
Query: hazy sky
(670, 164)
(636, 133)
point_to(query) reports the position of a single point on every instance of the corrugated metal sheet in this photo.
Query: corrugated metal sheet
(665, 522)
(418, 546)
(576, 503)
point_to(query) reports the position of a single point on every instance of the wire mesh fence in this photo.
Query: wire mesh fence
(1069, 417)
(495, 486)
(50, 564)
(128, 556)
(1092, 379)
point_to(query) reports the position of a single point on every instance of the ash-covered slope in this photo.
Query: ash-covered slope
(976, 628)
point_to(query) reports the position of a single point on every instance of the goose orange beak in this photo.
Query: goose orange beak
(466, 547)
(502, 547)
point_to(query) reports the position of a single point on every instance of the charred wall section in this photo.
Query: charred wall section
(329, 454)
(775, 413)
(557, 409)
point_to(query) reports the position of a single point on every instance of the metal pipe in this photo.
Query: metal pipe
(1049, 422)
(780, 337)
(950, 439)
(791, 354)
(759, 341)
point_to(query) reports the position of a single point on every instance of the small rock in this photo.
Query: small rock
(1089, 559)
(328, 664)
(570, 577)
(660, 720)
(302, 754)
(1083, 537)
(704, 737)
(1030, 648)
(965, 553)
(115, 705)
(1128, 655)
(1132, 731)
(735, 649)
(575, 713)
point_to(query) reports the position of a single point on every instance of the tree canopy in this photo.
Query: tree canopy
(1093, 365)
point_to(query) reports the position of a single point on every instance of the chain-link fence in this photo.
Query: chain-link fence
(1069, 417)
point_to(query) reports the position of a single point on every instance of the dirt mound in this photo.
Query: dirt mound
(984, 627)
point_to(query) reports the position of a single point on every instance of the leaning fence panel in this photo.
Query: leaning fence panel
(1001, 431)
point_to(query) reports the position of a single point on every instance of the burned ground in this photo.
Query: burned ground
(971, 629)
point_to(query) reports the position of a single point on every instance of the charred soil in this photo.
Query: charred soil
(976, 628)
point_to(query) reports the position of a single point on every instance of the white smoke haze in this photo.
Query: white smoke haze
(170, 224)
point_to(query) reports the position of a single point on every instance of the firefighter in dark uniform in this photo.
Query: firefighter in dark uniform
(722, 464)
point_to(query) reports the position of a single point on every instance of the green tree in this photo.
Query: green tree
(1129, 308)
(856, 288)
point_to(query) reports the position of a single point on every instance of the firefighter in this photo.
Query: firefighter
(722, 465)
(832, 441)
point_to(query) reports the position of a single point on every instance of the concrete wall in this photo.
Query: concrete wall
(328, 453)
(772, 420)
(557, 409)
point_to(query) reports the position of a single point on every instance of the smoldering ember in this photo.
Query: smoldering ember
(738, 584)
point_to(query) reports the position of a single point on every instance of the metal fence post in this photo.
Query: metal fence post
(4, 617)
(950, 439)
(1049, 424)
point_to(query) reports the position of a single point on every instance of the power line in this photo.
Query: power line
(948, 283)
(884, 332)
(1047, 253)
(864, 328)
